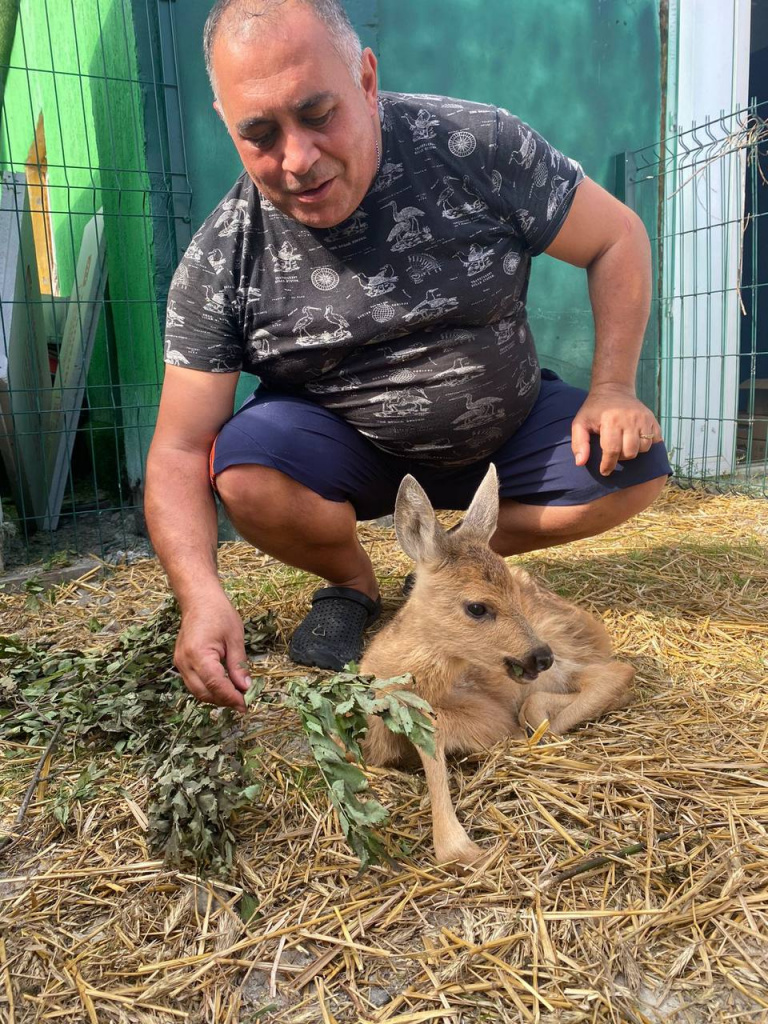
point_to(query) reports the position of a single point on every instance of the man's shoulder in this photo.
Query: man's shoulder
(421, 104)
(233, 210)
(436, 101)
(454, 127)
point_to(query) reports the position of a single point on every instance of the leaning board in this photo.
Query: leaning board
(25, 379)
(74, 359)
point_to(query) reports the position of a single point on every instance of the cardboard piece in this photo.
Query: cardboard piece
(25, 379)
(759, 421)
(75, 351)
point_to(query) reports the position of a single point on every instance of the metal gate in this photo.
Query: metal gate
(703, 194)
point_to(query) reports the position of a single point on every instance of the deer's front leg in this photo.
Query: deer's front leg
(601, 688)
(382, 747)
(450, 838)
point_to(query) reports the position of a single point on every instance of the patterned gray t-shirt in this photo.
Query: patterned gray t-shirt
(408, 319)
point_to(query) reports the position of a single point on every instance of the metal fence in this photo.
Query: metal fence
(95, 211)
(703, 194)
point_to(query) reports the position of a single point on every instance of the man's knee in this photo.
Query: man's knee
(617, 507)
(634, 499)
(528, 527)
(255, 491)
(266, 499)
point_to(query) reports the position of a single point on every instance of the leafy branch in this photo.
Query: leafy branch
(334, 715)
(129, 699)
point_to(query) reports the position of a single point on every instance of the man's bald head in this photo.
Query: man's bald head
(243, 16)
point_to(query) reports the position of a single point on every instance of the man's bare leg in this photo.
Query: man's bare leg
(530, 527)
(289, 521)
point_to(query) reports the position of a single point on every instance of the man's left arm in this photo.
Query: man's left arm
(606, 238)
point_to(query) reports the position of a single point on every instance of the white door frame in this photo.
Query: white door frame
(708, 76)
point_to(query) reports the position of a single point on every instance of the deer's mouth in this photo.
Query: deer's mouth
(519, 672)
(526, 669)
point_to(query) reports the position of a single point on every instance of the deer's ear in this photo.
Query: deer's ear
(416, 526)
(483, 514)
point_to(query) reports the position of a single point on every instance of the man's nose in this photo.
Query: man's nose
(299, 154)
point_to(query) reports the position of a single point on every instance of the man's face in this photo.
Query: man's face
(305, 130)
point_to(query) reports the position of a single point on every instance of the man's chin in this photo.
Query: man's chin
(324, 215)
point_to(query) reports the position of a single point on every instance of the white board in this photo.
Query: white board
(25, 379)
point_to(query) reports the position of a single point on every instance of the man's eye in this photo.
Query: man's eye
(476, 610)
(318, 122)
(262, 141)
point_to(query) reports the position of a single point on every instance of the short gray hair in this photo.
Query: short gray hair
(343, 36)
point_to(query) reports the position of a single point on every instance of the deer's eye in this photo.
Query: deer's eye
(476, 610)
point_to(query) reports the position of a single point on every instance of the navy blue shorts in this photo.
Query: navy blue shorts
(318, 449)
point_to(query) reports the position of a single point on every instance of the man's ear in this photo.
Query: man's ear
(368, 79)
(217, 108)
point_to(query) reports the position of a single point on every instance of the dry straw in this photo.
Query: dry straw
(630, 880)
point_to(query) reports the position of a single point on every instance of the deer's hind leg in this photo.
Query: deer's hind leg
(598, 689)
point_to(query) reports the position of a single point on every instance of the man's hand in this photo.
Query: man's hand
(625, 426)
(210, 652)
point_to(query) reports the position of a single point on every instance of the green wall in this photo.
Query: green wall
(584, 73)
(8, 11)
(85, 84)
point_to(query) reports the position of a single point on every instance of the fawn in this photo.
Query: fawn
(493, 652)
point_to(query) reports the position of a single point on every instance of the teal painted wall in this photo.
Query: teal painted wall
(584, 73)
(85, 85)
(212, 161)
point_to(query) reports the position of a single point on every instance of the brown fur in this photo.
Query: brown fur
(458, 662)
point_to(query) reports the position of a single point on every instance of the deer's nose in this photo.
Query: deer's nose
(542, 658)
(528, 667)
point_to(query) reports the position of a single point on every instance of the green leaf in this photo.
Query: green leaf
(255, 690)
(248, 908)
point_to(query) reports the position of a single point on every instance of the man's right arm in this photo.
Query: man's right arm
(182, 522)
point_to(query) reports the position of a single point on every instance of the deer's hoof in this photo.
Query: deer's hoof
(462, 855)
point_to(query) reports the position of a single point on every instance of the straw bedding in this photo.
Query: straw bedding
(630, 879)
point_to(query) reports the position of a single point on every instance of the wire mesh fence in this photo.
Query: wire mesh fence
(94, 213)
(703, 194)
(95, 210)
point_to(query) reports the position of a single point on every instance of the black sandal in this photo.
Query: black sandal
(331, 635)
(409, 582)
